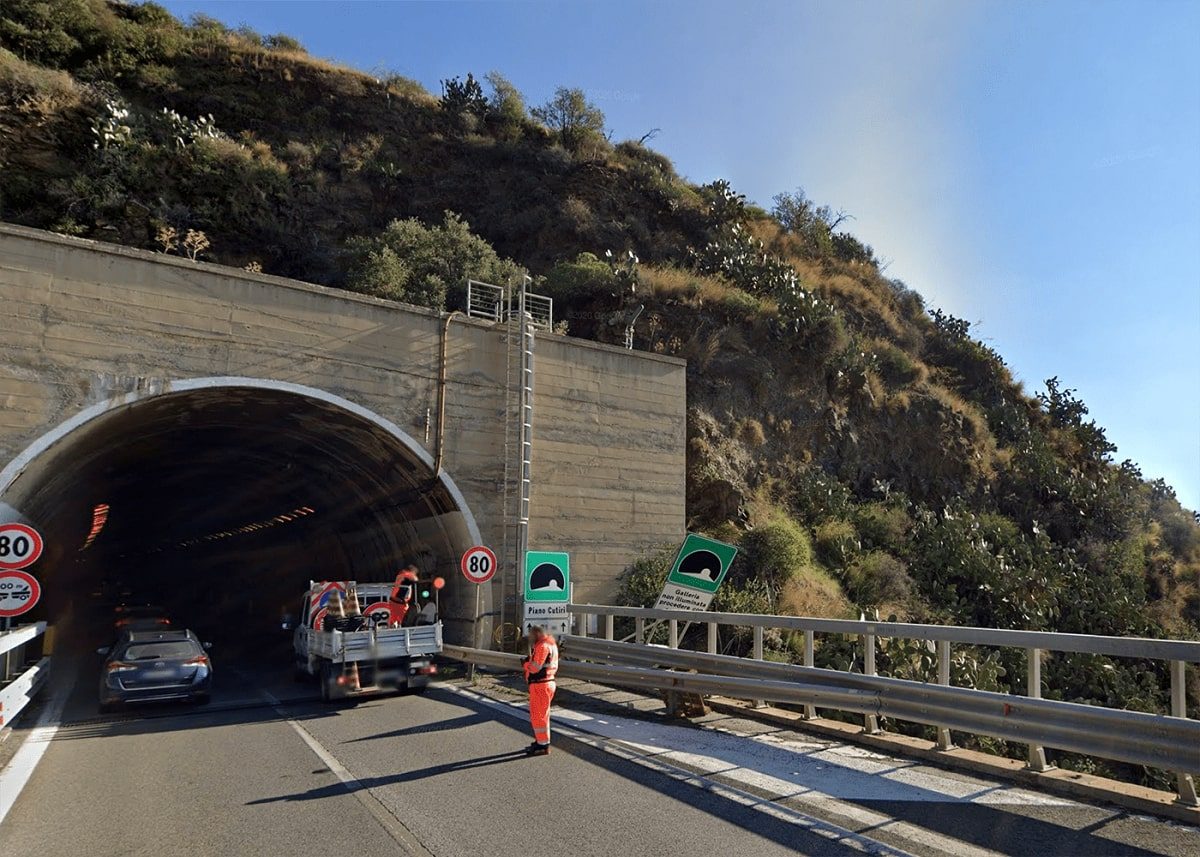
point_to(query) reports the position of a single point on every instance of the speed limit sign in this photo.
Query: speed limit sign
(19, 546)
(478, 564)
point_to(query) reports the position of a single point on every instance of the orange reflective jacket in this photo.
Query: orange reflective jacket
(543, 661)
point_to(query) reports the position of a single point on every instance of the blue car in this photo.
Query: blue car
(153, 666)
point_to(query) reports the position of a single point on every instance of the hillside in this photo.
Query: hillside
(867, 453)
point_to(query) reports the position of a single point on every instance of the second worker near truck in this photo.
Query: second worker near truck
(541, 667)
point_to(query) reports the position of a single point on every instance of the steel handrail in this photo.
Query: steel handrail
(1129, 647)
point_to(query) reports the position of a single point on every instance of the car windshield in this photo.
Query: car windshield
(158, 650)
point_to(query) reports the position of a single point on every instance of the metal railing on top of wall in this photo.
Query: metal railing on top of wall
(19, 682)
(1178, 653)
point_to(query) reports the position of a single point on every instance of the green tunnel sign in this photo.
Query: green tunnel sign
(547, 577)
(701, 564)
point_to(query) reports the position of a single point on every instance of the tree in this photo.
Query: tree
(463, 96)
(419, 264)
(813, 224)
(506, 102)
(572, 116)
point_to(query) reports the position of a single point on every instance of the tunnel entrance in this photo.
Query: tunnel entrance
(221, 498)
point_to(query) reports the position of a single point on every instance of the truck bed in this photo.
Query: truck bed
(376, 645)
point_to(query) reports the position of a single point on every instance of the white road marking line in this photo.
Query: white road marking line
(392, 824)
(20, 768)
(816, 826)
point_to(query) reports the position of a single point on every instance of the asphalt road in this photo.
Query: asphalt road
(437, 774)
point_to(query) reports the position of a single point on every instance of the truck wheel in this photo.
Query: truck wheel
(330, 692)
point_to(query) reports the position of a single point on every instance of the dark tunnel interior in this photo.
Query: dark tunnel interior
(222, 503)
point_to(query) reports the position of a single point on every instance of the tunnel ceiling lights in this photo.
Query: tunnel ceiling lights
(245, 529)
(99, 519)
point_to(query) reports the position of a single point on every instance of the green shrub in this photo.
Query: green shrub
(895, 366)
(751, 596)
(878, 578)
(816, 496)
(282, 42)
(576, 120)
(463, 96)
(741, 305)
(882, 525)
(421, 264)
(837, 542)
(778, 551)
(580, 280)
(642, 582)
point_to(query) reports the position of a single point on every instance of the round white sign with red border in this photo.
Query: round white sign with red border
(478, 564)
(19, 591)
(20, 546)
(382, 614)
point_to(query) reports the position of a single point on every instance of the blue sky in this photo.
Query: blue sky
(1032, 167)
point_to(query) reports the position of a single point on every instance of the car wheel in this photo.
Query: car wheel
(201, 699)
(109, 708)
(327, 679)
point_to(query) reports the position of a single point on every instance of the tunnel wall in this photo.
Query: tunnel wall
(85, 322)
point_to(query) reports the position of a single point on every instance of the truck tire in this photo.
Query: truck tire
(330, 692)
(326, 678)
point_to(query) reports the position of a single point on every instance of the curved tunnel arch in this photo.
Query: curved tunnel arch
(225, 495)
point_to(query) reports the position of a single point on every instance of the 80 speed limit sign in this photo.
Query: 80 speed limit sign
(478, 564)
(19, 546)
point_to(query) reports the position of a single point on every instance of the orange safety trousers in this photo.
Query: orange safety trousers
(540, 694)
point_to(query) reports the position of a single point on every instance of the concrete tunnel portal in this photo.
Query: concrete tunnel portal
(220, 498)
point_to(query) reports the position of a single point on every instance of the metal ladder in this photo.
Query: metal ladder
(521, 322)
(518, 446)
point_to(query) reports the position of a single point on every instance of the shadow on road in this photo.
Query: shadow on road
(369, 783)
(423, 728)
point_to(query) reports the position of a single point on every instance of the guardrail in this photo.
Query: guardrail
(1128, 736)
(17, 693)
(1177, 652)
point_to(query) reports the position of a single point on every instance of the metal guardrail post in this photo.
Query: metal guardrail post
(1184, 784)
(871, 721)
(639, 630)
(712, 638)
(1033, 689)
(758, 656)
(609, 623)
(943, 678)
(810, 711)
(673, 633)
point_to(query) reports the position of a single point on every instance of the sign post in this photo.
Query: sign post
(547, 591)
(478, 565)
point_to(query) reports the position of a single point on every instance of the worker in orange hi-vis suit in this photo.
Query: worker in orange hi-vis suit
(402, 593)
(540, 669)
